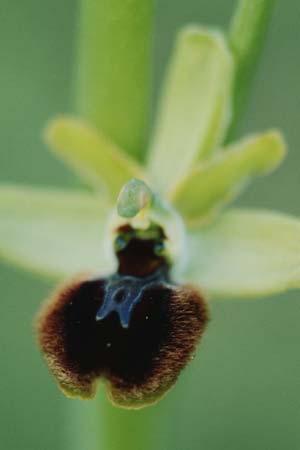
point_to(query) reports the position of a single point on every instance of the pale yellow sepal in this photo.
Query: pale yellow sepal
(209, 186)
(195, 105)
(92, 155)
(245, 253)
(54, 232)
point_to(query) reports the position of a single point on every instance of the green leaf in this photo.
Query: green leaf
(92, 155)
(246, 254)
(53, 232)
(209, 186)
(195, 105)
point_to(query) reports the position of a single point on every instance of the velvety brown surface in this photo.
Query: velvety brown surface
(140, 362)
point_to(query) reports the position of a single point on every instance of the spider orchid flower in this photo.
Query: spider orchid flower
(146, 246)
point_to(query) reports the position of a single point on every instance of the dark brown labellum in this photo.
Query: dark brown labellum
(135, 329)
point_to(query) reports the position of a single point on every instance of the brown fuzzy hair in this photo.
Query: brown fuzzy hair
(139, 359)
(139, 364)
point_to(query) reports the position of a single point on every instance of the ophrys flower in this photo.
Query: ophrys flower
(132, 319)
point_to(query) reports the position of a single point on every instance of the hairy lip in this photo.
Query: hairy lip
(137, 332)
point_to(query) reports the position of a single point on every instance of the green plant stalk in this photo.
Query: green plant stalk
(246, 36)
(114, 69)
(113, 92)
(98, 425)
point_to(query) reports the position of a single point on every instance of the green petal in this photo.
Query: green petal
(210, 186)
(194, 110)
(92, 155)
(53, 232)
(246, 254)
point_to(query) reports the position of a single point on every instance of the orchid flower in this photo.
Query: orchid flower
(144, 246)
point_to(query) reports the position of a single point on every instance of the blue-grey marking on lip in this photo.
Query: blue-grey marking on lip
(123, 292)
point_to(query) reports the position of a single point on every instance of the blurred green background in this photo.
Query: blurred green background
(243, 389)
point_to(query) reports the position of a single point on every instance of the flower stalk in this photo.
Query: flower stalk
(114, 69)
(97, 424)
(114, 94)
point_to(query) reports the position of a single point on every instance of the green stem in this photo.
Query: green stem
(246, 36)
(113, 92)
(114, 70)
(98, 425)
